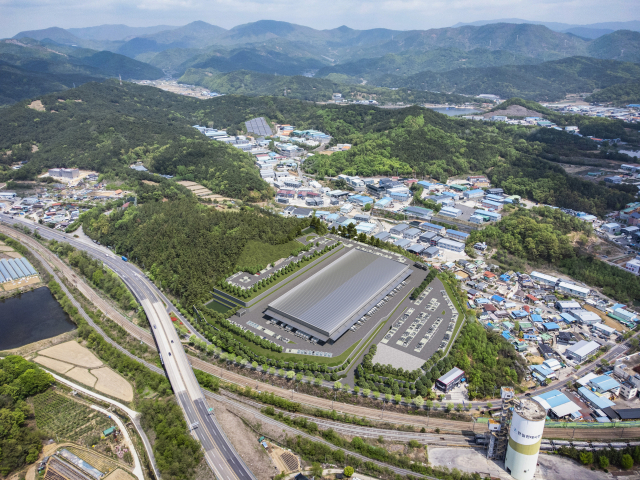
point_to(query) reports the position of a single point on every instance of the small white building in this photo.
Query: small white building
(603, 329)
(611, 227)
(628, 391)
(544, 278)
(575, 290)
(633, 266)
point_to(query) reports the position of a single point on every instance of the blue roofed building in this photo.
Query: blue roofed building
(432, 227)
(604, 383)
(383, 203)
(594, 400)
(383, 236)
(493, 216)
(477, 193)
(551, 326)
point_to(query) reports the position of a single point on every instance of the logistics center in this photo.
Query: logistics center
(327, 304)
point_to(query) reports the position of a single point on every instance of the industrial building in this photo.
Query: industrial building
(432, 227)
(585, 317)
(327, 304)
(581, 350)
(70, 173)
(398, 229)
(544, 278)
(450, 379)
(575, 290)
(451, 245)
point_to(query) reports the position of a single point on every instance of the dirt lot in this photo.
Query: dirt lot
(28, 282)
(73, 352)
(245, 439)
(36, 105)
(608, 321)
(111, 383)
(119, 474)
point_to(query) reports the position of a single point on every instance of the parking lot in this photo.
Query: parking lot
(418, 331)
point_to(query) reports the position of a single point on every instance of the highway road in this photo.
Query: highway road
(219, 453)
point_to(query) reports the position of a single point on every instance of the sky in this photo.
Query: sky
(20, 15)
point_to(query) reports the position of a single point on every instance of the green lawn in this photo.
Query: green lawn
(259, 253)
(217, 306)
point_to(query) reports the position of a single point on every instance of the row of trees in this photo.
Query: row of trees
(94, 271)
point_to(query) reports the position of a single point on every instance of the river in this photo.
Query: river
(455, 111)
(30, 317)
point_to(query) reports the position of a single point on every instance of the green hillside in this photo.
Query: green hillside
(17, 84)
(622, 94)
(44, 68)
(242, 82)
(437, 60)
(621, 45)
(548, 81)
(107, 127)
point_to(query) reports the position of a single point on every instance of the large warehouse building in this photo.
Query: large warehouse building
(326, 305)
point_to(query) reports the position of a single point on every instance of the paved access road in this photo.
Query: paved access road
(219, 453)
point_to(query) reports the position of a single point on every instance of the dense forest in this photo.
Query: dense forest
(20, 441)
(186, 247)
(436, 60)
(31, 68)
(548, 81)
(244, 82)
(540, 236)
(107, 127)
(619, 95)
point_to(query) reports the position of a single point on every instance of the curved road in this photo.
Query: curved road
(218, 451)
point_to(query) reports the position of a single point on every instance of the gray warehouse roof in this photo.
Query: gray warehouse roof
(329, 302)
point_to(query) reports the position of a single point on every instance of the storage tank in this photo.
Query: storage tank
(525, 436)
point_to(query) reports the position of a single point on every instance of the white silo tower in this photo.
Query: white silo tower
(525, 436)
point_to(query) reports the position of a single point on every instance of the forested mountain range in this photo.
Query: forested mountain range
(343, 44)
(31, 68)
(244, 82)
(548, 81)
(505, 59)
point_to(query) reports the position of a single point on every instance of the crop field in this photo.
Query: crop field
(66, 419)
(258, 253)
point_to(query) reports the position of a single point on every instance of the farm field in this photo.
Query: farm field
(66, 419)
(80, 364)
(72, 352)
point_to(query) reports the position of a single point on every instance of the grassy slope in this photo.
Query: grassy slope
(259, 253)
